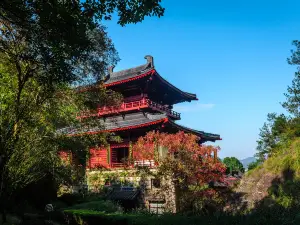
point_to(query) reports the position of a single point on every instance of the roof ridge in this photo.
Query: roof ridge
(112, 76)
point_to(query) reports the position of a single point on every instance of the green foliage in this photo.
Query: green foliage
(285, 167)
(78, 198)
(64, 14)
(46, 49)
(271, 134)
(101, 206)
(275, 215)
(253, 165)
(36, 99)
(292, 103)
(281, 129)
(287, 157)
(233, 165)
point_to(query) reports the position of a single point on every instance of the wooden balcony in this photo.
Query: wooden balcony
(144, 163)
(140, 163)
(130, 106)
(117, 165)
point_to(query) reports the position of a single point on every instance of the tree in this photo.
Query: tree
(59, 33)
(233, 165)
(271, 134)
(36, 99)
(47, 14)
(47, 47)
(280, 129)
(253, 165)
(29, 140)
(292, 104)
(188, 166)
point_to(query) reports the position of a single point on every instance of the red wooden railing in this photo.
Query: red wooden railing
(141, 163)
(117, 165)
(145, 163)
(129, 106)
(160, 107)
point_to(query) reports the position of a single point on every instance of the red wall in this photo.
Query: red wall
(98, 158)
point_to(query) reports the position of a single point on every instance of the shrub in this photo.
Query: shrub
(73, 199)
(263, 215)
(253, 165)
(100, 206)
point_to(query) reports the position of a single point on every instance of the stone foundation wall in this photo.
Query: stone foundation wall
(99, 180)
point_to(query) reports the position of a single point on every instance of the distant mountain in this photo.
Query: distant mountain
(247, 161)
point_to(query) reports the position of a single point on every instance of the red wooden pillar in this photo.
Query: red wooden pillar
(215, 154)
(110, 156)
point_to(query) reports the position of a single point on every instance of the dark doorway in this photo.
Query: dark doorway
(122, 154)
(119, 156)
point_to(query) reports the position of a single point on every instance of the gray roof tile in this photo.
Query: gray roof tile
(123, 194)
(115, 122)
(134, 119)
(128, 73)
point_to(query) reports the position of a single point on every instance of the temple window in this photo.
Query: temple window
(155, 183)
(156, 207)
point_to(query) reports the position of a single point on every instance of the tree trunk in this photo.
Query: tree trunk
(3, 214)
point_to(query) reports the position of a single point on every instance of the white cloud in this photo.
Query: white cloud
(193, 107)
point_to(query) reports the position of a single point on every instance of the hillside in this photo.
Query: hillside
(277, 181)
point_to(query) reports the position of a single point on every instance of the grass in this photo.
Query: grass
(11, 220)
(97, 206)
(287, 157)
(262, 217)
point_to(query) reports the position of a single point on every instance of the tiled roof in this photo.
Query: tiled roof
(132, 121)
(185, 94)
(123, 194)
(115, 77)
(128, 73)
(118, 122)
(202, 134)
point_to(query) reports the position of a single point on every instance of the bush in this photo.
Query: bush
(73, 199)
(263, 215)
(100, 206)
(253, 165)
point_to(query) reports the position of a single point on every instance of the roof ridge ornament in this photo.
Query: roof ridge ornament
(150, 60)
(111, 69)
(110, 72)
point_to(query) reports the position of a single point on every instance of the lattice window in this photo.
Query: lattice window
(156, 207)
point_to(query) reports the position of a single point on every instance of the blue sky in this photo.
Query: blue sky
(232, 54)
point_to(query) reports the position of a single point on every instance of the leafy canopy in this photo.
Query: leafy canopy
(47, 47)
(280, 130)
(233, 165)
(253, 165)
(181, 160)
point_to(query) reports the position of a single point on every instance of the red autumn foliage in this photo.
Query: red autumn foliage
(188, 162)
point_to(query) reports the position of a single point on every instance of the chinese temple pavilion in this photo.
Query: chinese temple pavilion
(147, 105)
